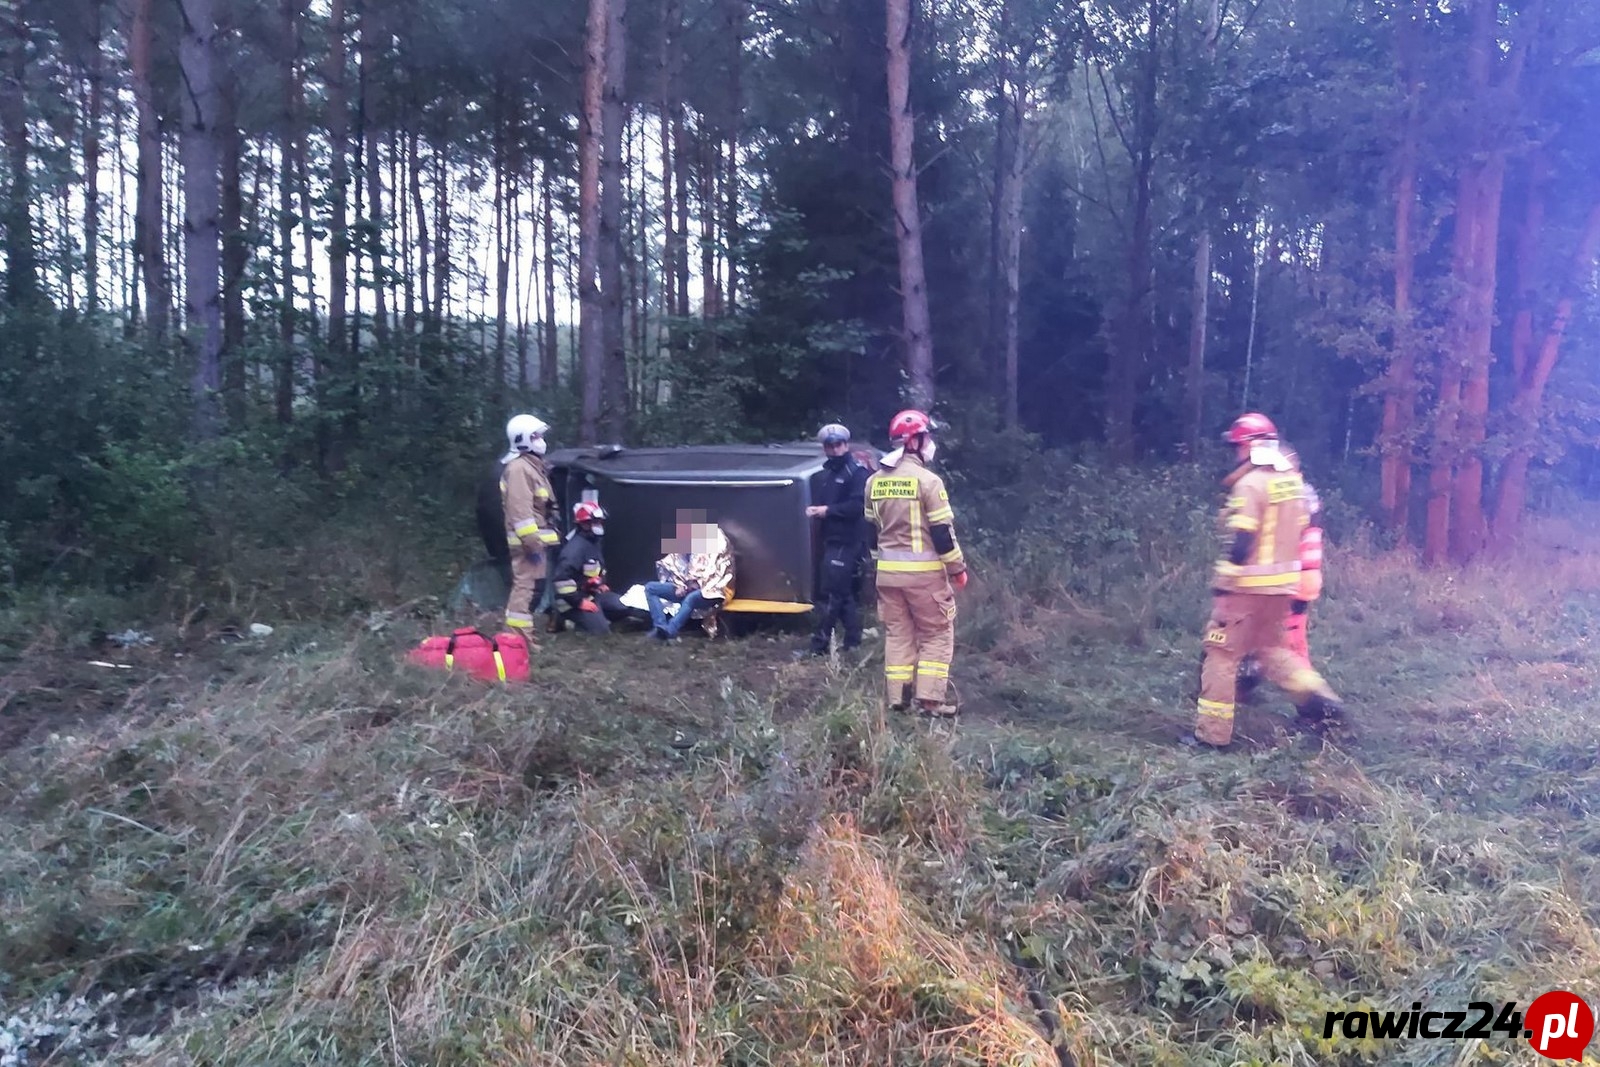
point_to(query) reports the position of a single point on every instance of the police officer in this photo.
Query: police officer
(919, 565)
(527, 502)
(1253, 584)
(840, 504)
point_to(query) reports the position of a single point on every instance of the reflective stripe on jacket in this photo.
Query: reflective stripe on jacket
(904, 503)
(527, 501)
(1270, 505)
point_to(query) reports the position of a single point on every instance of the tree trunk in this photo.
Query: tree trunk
(91, 159)
(737, 13)
(524, 294)
(1010, 173)
(373, 32)
(307, 238)
(680, 170)
(614, 118)
(201, 226)
(1468, 531)
(283, 386)
(441, 234)
(334, 76)
(502, 254)
(423, 248)
(672, 24)
(1200, 297)
(22, 267)
(1441, 468)
(1399, 401)
(549, 357)
(1132, 335)
(710, 297)
(591, 342)
(918, 337)
(128, 260)
(1528, 404)
(637, 262)
(147, 220)
(235, 259)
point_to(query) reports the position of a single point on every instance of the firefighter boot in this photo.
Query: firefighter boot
(1249, 680)
(1294, 633)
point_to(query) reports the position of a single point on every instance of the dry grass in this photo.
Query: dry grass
(322, 859)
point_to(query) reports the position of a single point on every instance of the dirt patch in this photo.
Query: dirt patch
(50, 688)
(147, 998)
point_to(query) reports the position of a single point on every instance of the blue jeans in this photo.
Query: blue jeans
(655, 593)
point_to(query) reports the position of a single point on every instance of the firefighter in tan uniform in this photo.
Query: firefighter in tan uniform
(1306, 594)
(529, 506)
(913, 541)
(1254, 582)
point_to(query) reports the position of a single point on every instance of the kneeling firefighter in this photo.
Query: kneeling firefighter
(919, 564)
(528, 504)
(581, 592)
(1253, 585)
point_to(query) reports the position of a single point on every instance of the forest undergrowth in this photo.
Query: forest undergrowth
(237, 849)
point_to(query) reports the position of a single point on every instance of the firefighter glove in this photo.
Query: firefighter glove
(960, 580)
(588, 604)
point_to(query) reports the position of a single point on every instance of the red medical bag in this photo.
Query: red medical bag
(503, 657)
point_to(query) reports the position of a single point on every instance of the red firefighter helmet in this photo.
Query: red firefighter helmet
(587, 511)
(908, 424)
(1252, 426)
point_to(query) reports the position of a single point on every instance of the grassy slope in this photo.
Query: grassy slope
(292, 851)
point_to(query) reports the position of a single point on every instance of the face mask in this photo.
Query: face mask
(598, 529)
(929, 450)
(538, 446)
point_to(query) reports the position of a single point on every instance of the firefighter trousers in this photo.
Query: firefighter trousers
(527, 579)
(1243, 624)
(919, 635)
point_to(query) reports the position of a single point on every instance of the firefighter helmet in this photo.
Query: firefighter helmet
(907, 425)
(523, 431)
(1252, 426)
(587, 511)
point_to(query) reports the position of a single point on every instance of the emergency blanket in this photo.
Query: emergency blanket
(503, 657)
(635, 599)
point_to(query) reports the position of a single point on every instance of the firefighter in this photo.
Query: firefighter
(919, 565)
(841, 507)
(528, 504)
(1253, 583)
(1309, 590)
(581, 592)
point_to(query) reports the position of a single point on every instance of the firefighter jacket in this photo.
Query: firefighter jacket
(1269, 507)
(527, 501)
(580, 570)
(912, 532)
(710, 572)
(843, 493)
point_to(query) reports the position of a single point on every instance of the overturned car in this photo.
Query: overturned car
(757, 495)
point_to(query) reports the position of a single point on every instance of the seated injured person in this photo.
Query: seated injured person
(696, 574)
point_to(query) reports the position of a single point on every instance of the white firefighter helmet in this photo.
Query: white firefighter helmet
(523, 431)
